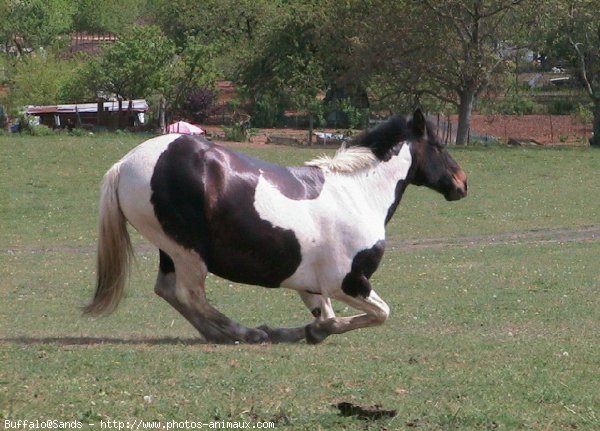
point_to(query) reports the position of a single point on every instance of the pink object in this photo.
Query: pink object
(184, 128)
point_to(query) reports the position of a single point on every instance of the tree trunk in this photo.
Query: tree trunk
(130, 122)
(100, 113)
(465, 109)
(161, 116)
(595, 139)
(310, 130)
(120, 113)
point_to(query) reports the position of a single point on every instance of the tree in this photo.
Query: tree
(574, 31)
(284, 70)
(39, 79)
(134, 66)
(446, 53)
(44, 78)
(301, 56)
(227, 24)
(470, 42)
(374, 54)
(191, 71)
(113, 16)
(34, 23)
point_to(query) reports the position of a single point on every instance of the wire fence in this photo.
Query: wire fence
(542, 129)
(537, 129)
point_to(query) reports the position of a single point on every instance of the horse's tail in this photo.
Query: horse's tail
(114, 249)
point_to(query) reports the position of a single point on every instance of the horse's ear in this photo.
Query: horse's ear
(418, 123)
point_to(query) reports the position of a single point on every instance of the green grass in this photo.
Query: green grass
(50, 189)
(480, 337)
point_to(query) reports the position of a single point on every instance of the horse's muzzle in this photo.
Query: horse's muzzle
(459, 191)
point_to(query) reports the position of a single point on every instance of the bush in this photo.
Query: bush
(79, 131)
(267, 112)
(514, 104)
(40, 130)
(562, 107)
(521, 106)
(358, 118)
(199, 104)
(583, 114)
(236, 133)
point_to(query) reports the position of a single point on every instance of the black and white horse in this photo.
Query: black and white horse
(317, 229)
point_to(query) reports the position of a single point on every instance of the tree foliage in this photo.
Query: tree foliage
(134, 65)
(314, 57)
(38, 79)
(284, 69)
(112, 16)
(573, 33)
(299, 57)
(192, 69)
(34, 23)
(456, 49)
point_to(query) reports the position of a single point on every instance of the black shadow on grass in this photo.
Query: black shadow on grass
(92, 341)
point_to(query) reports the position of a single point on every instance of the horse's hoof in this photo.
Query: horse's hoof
(283, 335)
(256, 336)
(314, 336)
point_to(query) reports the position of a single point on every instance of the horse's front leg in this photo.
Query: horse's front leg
(376, 312)
(318, 305)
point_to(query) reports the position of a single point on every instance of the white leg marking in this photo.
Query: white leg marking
(318, 302)
(376, 312)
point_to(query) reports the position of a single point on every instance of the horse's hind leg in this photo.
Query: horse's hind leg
(181, 284)
(165, 280)
(319, 306)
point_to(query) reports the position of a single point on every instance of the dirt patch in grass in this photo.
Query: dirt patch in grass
(535, 236)
(365, 412)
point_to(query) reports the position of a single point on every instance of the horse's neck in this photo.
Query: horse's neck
(376, 187)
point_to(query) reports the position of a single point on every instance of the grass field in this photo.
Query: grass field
(483, 334)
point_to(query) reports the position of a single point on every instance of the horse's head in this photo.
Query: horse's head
(433, 166)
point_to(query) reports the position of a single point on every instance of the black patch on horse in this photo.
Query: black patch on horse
(398, 192)
(364, 264)
(203, 197)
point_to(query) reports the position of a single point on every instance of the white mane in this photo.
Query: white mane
(345, 159)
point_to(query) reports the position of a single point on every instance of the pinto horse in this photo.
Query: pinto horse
(317, 229)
